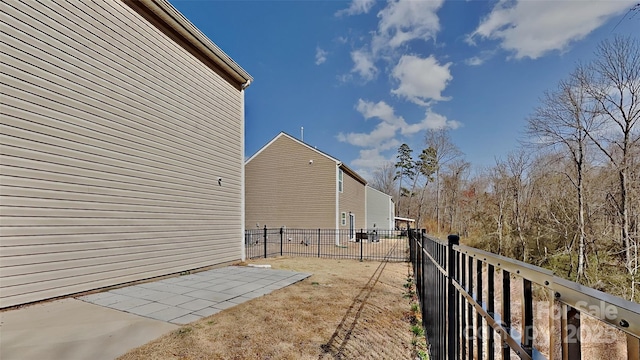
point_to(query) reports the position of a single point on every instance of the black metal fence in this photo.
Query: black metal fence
(390, 245)
(478, 305)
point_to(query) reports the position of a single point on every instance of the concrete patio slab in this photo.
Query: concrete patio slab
(73, 329)
(174, 298)
(214, 289)
(108, 324)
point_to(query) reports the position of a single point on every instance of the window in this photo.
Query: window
(340, 175)
(343, 218)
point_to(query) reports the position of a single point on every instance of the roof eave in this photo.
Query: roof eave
(174, 19)
(353, 174)
(339, 163)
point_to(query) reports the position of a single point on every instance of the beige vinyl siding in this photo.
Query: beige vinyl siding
(379, 209)
(284, 189)
(113, 138)
(352, 199)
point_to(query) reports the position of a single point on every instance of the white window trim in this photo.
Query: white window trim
(340, 180)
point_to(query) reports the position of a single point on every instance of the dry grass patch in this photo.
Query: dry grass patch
(346, 310)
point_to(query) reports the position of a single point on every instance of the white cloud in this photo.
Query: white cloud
(342, 39)
(421, 80)
(380, 110)
(384, 136)
(474, 61)
(534, 28)
(357, 7)
(431, 121)
(321, 55)
(363, 65)
(400, 22)
(368, 160)
(405, 20)
(480, 58)
(380, 137)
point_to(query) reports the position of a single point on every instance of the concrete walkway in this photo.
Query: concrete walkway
(108, 324)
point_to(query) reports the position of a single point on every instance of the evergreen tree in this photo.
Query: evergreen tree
(405, 169)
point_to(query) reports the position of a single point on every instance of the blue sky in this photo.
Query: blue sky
(362, 77)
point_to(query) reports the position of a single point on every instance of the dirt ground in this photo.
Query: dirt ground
(346, 310)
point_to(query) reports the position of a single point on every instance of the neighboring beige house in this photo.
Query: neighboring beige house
(122, 147)
(289, 183)
(380, 210)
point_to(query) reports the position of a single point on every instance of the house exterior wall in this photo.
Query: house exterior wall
(113, 138)
(380, 210)
(352, 200)
(284, 189)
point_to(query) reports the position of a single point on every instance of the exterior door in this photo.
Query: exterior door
(352, 226)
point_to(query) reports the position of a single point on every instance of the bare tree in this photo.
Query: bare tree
(453, 179)
(499, 188)
(446, 151)
(613, 82)
(517, 165)
(383, 178)
(425, 166)
(561, 122)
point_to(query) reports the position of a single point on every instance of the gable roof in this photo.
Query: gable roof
(378, 191)
(340, 164)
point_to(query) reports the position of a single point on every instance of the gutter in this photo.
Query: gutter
(174, 19)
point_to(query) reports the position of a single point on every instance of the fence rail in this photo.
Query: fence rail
(362, 244)
(479, 305)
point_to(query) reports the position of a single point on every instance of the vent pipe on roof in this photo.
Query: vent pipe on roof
(302, 133)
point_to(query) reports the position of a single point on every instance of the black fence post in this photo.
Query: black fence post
(452, 304)
(570, 330)
(361, 241)
(480, 329)
(506, 311)
(491, 353)
(265, 241)
(281, 239)
(318, 243)
(527, 307)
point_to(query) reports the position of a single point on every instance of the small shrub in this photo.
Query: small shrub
(423, 355)
(183, 331)
(417, 330)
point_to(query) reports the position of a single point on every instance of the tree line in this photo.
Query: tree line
(567, 199)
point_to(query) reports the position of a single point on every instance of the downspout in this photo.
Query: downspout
(243, 250)
(242, 181)
(366, 209)
(337, 204)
